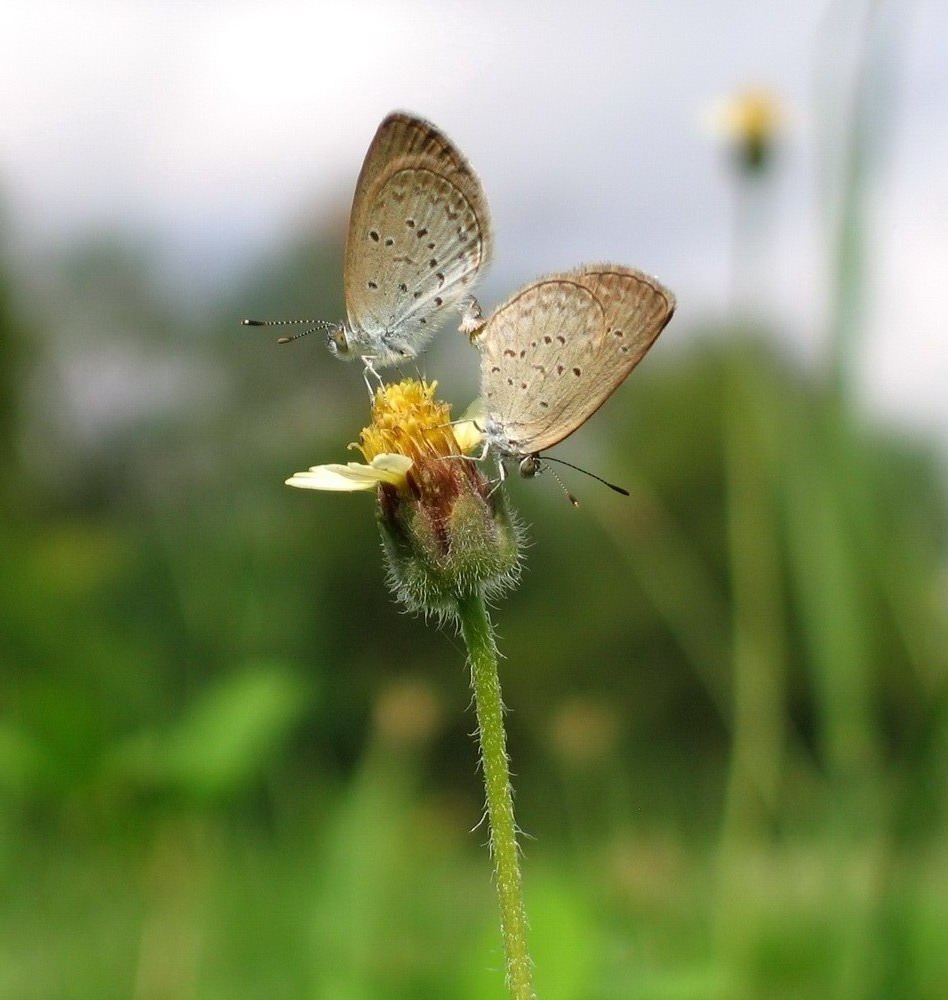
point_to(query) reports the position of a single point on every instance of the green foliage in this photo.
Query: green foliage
(225, 740)
(183, 813)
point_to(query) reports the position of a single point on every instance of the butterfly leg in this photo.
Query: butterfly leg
(369, 372)
(501, 478)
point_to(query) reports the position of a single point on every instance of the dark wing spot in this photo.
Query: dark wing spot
(495, 370)
(561, 339)
(510, 381)
(560, 369)
(389, 241)
(547, 339)
(577, 372)
(423, 321)
(421, 232)
(433, 262)
(438, 300)
(523, 353)
(403, 287)
(523, 385)
(410, 223)
(431, 246)
(372, 284)
(373, 235)
(544, 404)
(440, 277)
(509, 353)
(418, 293)
(624, 348)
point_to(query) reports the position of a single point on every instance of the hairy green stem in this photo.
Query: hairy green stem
(479, 638)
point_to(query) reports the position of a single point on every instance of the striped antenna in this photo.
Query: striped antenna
(314, 325)
(585, 472)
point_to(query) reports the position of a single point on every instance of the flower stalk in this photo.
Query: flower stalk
(478, 634)
(450, 543)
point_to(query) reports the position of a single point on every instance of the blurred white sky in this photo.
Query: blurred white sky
(219, 129)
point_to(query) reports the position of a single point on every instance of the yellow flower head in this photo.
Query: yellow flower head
(750, 121)
(408, 420)
(409, 426)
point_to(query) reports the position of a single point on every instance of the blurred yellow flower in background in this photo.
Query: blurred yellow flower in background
(750, 121)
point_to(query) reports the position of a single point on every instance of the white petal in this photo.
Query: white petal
(476, 411)
(394, 464)
(353, 476)
(469, 436)
(468, 431)
(333, 477)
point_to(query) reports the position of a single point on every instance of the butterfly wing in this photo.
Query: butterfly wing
(419, 234)
(556, 351)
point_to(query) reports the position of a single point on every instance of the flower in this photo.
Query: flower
(750, 122)
(407, 422)
(446, 530)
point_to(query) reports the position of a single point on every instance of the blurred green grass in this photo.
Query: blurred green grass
(229, 766)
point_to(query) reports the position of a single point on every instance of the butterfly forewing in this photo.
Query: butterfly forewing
(556, 351)
(419, 233)
(526, 384)
(637, 308)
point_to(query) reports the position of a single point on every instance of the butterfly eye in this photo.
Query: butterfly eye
(529, 466)
(337, 341)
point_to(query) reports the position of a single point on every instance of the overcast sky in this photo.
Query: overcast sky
(222, 129)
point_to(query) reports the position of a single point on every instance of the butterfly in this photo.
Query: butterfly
(419, 237)
(556, 350)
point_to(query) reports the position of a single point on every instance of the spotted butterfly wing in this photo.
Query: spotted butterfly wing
(419, 234)
(557, 350)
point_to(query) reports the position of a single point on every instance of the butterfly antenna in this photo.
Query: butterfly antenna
(586, 472)
(562, 485)
(313, 324)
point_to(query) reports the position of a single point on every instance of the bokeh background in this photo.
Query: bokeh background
(229, 765)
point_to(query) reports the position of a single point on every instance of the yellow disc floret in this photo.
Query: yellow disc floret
(408, 420)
